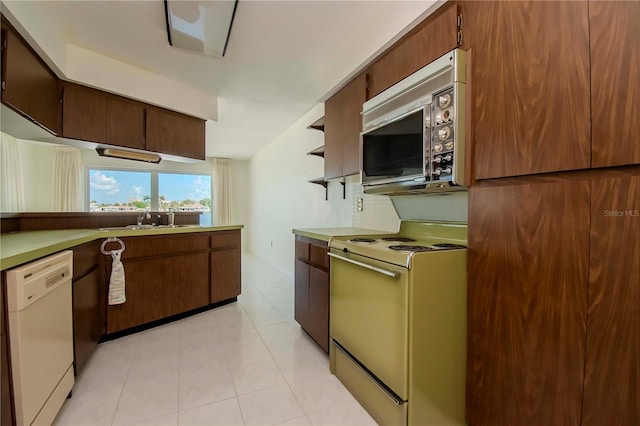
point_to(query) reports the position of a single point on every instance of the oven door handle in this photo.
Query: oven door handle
(364, 265)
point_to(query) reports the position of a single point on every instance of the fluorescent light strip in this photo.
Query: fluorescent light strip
(129, 155)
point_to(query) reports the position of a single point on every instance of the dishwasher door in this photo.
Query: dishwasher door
(41, 337)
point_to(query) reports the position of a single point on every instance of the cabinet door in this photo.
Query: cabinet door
(145, 294)
(343, 124)
(186, 283)
(530, 106)
(528, 263)
(172, 133)
(318, 324)
(84, 113)
(124, 120)
(29, 86)
(615, 82)
(301, 294)
(226, 274)
(612, 376)
(435, 36)
(88, 321)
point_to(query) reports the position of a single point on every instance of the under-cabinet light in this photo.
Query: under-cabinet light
(129, 155)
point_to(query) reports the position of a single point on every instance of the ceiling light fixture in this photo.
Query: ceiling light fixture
(129, 155)
(200, 26)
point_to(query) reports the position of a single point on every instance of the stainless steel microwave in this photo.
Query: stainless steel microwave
(413, 132)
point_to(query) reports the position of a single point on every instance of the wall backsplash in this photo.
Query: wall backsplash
(378, 211)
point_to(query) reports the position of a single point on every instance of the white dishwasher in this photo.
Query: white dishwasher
(41, 337)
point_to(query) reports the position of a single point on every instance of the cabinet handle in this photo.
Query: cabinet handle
(367, 266)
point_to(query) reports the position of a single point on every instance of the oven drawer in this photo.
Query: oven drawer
(369, 316)
(385, 408)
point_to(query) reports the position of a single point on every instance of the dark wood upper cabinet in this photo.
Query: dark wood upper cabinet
(432, 38)
(28, 84)
(612, 376)
(97, 116)
(342, 127)
(173, 133)
(124, 122)
(84, 113)
(615, 82)
(530, 106)
(528, 264)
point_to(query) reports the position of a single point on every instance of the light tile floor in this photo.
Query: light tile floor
(246, 363)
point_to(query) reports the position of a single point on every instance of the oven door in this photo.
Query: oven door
(369, 319)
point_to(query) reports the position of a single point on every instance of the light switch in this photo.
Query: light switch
(360, 204)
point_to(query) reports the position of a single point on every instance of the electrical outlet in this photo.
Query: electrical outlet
(360, 204)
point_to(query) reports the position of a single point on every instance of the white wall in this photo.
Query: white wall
(281, 198)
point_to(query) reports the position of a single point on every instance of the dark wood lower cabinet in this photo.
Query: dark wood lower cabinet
(527, 303)
(318, 320)
(225, 274)
(311, 308)
(612, 373)
(89, 302)
(301, 294)
(173, 274)
(88, 316)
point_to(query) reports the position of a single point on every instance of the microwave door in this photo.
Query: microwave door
(395, 150)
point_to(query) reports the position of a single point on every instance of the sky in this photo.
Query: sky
(109, 186)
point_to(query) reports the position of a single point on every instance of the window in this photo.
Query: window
(120, 190)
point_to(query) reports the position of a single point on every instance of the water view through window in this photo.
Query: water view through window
(119, 190)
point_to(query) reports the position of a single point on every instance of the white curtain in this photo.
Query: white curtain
(68, 180)
(12, 199)
(222, 191)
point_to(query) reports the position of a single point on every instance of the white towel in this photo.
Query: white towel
(116, 284)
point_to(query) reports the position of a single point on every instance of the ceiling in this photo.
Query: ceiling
(283, 57)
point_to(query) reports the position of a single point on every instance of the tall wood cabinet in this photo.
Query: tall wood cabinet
(527, 291)
(612, 371)
(28, 84)
(615, 82)
(529, 98)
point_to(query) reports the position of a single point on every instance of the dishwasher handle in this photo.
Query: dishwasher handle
(365, 265)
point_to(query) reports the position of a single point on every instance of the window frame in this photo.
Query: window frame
(155, 196)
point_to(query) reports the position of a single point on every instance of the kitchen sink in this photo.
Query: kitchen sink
(139, 227)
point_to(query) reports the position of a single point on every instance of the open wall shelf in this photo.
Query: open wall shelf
(320, 181)
(318, 124)
(318, 152)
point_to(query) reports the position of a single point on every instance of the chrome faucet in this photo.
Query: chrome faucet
(143, 215)
(170, 217)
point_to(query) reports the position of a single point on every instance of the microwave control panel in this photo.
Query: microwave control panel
(440, 126)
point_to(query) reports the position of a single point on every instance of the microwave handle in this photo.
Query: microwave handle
(364, 265)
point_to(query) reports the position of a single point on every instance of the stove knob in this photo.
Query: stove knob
(437, 148)
(444, 100)
(437, 160)
(444, 133)
(446, 157)
(448, 145)
(437, 172)
(447, 170)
